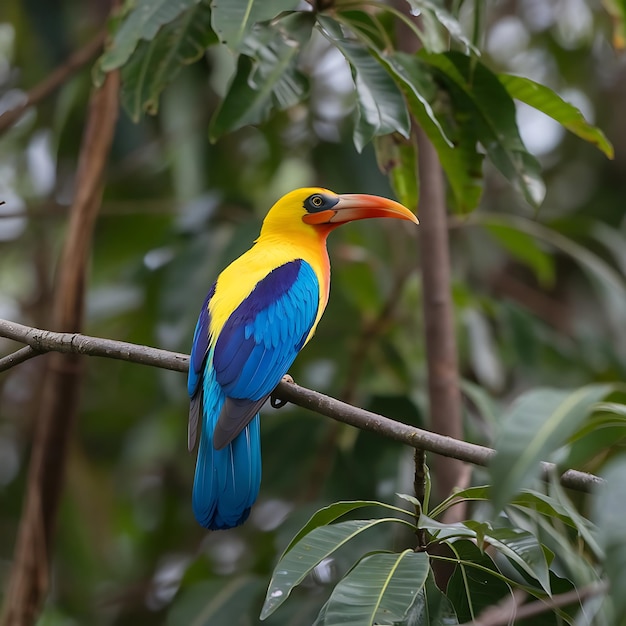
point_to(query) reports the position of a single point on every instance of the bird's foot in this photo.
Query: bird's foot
(279, 403)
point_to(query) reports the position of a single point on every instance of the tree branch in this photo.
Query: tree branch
(507, 614)
(17, 357)
(54, 80)
(45, 341)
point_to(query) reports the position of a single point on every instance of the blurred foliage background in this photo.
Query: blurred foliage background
(535, 295)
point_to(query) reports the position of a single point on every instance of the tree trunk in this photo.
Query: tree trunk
(29, 580)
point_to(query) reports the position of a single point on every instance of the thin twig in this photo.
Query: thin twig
(45, 341)
(539, 607)
(17, 357)
(54, 80)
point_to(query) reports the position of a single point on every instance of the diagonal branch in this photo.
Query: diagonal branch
(506, 614)
(45, 341)
(54, 80)
(17, 357)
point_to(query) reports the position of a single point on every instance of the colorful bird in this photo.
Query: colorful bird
(263, 308)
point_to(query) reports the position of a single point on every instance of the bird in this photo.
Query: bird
(260, 312)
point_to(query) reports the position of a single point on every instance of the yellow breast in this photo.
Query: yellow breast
(239, 279)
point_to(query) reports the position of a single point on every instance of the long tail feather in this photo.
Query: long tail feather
(227, 481)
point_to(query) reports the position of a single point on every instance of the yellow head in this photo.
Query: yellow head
(317, 211)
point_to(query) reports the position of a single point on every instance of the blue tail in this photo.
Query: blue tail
(227, 481)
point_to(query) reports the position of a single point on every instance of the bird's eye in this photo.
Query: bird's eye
(319, 202)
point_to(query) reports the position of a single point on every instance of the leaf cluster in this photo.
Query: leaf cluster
(465, 108)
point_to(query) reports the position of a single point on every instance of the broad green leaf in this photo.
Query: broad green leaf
(527, 499)
(266, 75)
(547, 101)
(380, 106)
(585, 528)
(536, 424)
(155, 63)
(308, 553)
(524, 248)
(476, 583)
(143, 22)
(609, 513)
(367, 26)
(598, 436)
(522, 548)
(446, 19)
(233, 20)
(481, 98)
(432, 607)
(397, 158)
(380, 589)
(453, 138)
(442, 531)
(414, 78)
(334, 511)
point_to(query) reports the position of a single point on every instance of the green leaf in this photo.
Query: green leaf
(446, 126)
(585, 528)
(367, 27)
(156, 63)
(233, 20)
(609, 513)
(524, 248)
(308, 553)
(380, 589)
(598, 436)
(522, 548)
(527, 499)
(334, 511)
(537, 423)
(143, 22)
(432, 607)
(472, 589)
(380, 106)
(446, 19)
(397, 158)
(489, 109)
(547, 101)
(266, 75)
(442, 531)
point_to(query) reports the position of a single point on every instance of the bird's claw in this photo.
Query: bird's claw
(279, 403)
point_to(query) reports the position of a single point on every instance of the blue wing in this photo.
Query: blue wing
(260, 341)
(229, 382)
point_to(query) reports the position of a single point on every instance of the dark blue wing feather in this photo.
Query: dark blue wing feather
(260, 341)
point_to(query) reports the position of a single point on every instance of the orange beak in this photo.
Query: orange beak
(358, 206)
